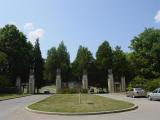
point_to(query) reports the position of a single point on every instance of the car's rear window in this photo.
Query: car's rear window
(138, 89)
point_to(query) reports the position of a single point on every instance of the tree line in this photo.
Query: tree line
(97, 69)
(140, 66)
(17, 57)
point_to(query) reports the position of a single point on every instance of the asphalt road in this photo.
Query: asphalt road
(14, 110)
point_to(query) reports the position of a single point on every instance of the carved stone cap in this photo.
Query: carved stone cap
(31, 71)
(84, 72)
(58, 71)
(109, 71)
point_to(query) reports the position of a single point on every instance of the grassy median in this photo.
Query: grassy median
(70, 103)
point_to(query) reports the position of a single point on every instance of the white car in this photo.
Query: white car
(155, 95)
(91, 90)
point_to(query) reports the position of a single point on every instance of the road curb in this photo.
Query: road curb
(81, 113)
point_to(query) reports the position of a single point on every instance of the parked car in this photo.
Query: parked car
(136, 92)
(91, 90)
(155, 95)
(100, 90)
(46, 92)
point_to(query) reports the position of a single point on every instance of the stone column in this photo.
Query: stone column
(85, 80)
(31, 82)
(123, 84)
(18, 84)
(110, 81)
(58, 80)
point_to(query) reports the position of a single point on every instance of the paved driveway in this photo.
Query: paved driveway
(14, 110)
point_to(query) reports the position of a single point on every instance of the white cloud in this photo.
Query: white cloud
(37, 33)
(28, 26)
(157, 17)
(32, 32)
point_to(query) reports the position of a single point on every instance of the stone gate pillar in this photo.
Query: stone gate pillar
(110, 81)
(31, 82)
(18, 84)
(58, 80)
(85, 80)
(123, 84)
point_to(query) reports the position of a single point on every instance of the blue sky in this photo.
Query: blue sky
(81, 22)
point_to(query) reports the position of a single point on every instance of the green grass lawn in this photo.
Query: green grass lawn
(10, 96)
(70, 103)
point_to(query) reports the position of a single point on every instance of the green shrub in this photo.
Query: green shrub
(84, 91)
(68, 91)
(138, 81)
(72, 91)
(129, 87)
(152, 84)
(148, 85)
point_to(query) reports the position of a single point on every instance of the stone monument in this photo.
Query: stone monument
(85, 80)
(110, 81)
(58, 80)
(18, 84)
(31, 82)
(123, 84)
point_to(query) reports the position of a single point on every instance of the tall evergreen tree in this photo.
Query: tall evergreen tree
(57, 59)
(51, 65)
(120, 64)
(38, 66)
(82, 62)
(104, 56)
(63, 61)
(104, 62)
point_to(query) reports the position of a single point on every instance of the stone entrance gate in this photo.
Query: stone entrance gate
(112, 85)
